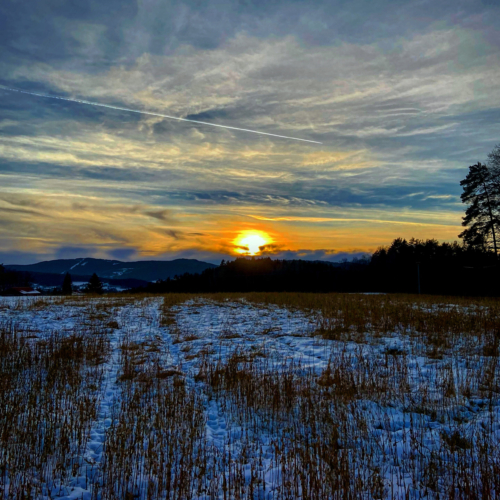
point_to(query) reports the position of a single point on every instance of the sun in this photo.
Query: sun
(250, 242)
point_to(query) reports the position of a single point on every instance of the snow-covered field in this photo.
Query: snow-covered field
(146, 397)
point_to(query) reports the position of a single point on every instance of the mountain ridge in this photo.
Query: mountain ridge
(146, 270)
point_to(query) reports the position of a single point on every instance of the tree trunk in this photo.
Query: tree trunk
(492, 219)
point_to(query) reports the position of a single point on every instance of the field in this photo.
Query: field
(256, 396)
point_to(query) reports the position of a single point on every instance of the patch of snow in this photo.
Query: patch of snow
(122, 271)
(286, 339)
(77, 264)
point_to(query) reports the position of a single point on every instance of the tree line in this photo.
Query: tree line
(413, 266)
(11, 279)
(404, 267)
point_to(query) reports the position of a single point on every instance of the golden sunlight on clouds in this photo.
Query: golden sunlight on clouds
(251, 242)
(324, 157)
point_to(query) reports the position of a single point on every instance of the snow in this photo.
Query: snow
(122, 271)
(281, 338)
(77, 264)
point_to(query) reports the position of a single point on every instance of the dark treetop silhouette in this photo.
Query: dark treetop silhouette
(95, 285)
(482, 217)
(444, 269)
(67, 288)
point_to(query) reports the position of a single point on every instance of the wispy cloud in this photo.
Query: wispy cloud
(400, 94)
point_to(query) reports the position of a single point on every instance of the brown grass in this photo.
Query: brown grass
(327, 435)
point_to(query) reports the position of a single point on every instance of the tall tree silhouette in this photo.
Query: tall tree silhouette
(95, 285)
(493, 163)
(482, 217)
(67, 288)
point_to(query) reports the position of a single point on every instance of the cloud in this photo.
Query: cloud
(400, 94)
(20, 258)
(216, 257)
(176, 235)
(278, 252)
(270, 249)
(75, 252)
(122, 253)
(20, 211)
(162, 215)
(211, 114)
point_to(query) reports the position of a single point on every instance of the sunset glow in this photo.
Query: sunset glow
(161, 130)
(251, 243)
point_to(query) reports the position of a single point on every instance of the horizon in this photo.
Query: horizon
(338, 259)
(164, 130)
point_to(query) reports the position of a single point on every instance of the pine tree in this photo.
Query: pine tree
(94, 285)
(482, 217)
(67, 288)
(493, 163)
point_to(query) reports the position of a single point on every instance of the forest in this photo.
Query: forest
(404, 266)
(408, 266)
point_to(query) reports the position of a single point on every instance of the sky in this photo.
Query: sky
(402, 95)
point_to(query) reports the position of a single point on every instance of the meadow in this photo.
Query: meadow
(249, 396)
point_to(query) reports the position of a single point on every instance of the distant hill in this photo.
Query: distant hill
(410, 266)
(148, 270)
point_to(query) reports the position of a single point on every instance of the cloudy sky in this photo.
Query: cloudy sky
(403, 96)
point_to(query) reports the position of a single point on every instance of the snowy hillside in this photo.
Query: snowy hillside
(115, 269)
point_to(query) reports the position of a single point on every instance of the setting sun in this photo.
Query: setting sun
(250, 242)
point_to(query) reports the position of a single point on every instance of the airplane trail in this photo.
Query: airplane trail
(81, 101)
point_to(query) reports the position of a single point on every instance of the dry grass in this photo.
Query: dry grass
(49, 396)
(413, 419)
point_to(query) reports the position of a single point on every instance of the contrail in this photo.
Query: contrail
(81, 101)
